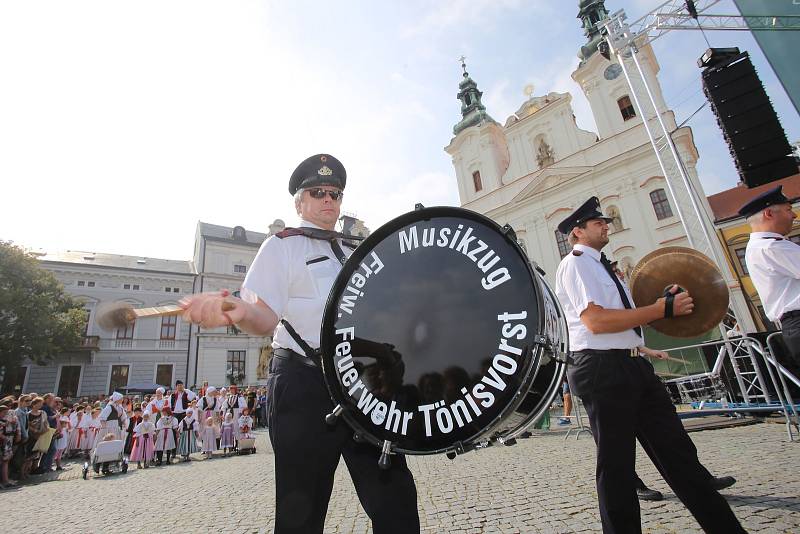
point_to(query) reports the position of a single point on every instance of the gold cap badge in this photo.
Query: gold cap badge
(324, 171)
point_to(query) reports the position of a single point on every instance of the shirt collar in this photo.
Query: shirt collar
(305, 223)
(756, 235)
(594, 253)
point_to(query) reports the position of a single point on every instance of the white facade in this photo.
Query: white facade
(539, 166)
(153, 350)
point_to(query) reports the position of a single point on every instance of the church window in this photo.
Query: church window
(563, 244)
(626, 108)
(742, 262)
(661, 204)
(235, 368)
(240, 268)
(476, 181)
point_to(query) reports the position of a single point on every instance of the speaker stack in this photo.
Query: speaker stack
(744, 112)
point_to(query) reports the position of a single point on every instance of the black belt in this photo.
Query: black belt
(292, 356)
(630, 353)
(789, 315)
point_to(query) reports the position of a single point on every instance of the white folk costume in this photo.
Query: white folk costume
(188, 431)
(210, 406)
(156, 405)
(165, 437)
(77, 436)
(143, 446)
(93, 431)
(209, 438)
(63, 441)
(227, 437)
(234, 404)
(245, 426)
(179, 402)
(112, 418)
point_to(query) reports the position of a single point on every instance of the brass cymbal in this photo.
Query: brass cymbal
(694, 272)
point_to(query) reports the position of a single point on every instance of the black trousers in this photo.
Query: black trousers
(307, 451)
(791, 336)
(626, 401)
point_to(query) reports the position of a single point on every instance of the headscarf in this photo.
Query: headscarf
(115, 397)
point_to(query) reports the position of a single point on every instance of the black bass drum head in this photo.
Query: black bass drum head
(430, 329)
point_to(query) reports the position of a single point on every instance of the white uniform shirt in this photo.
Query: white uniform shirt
(293, 276)
(774, 267)
(583, 279)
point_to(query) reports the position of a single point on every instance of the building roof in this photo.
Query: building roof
(226, 233)
(119, 261)
(725, 205)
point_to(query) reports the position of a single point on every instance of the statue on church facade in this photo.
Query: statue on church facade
(544, 155)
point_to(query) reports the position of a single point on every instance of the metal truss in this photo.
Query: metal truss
(727, 22)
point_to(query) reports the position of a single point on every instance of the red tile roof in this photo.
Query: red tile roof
(725, 205)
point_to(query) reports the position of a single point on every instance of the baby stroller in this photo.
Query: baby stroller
(107, 454)
(247, 444)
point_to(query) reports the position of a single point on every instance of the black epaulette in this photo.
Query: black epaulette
(577, 253)
(772, 237)
(288, 232)
(348, 244)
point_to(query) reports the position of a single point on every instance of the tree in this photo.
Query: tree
(38, 319)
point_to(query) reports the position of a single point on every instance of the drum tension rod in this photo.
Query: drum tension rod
(384, 462)
(418, 206)
(333, 416)
(509, 232)
(458, 449)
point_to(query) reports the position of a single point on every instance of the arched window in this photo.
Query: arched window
(626, 108)
(661, 204)
(563, 244)
(476, 181)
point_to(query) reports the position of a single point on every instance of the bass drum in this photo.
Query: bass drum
(439, 336)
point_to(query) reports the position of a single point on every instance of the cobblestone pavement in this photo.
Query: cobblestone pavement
(543, 484)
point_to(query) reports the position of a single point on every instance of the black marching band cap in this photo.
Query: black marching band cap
(322, 169)
(588, 211)
(766, 199)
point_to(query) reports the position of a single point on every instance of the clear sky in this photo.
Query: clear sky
(124, 123)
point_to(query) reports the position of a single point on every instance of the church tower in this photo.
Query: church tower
(479, 148)
(603, 81)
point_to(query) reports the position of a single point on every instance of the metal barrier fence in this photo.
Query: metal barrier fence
(747, 358)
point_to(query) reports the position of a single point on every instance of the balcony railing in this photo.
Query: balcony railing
(140, 344)
(90, 343)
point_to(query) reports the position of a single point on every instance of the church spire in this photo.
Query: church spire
(473, 112)
(591, 13)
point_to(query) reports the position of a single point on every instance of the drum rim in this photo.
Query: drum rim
(327, 339)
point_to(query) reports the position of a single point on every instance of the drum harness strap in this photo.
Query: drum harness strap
(331, 237)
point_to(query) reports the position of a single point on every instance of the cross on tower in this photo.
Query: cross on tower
(463, 65)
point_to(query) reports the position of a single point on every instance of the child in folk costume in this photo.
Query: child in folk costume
(86, 438)
(245, 424)
(134, 420)
(227, 437)
(143, 446)
(157, 404)
(94, 429)
(234, 404)
(209, 437)
(211, 406)
(62, 441)
(77, 435)
(112, 417)
(189, 433)
(165, 436)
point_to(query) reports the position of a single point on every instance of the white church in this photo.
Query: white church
(538, 166)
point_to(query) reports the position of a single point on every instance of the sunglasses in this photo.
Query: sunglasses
(320, 193)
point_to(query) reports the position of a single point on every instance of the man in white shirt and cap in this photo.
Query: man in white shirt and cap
(774, 262)
(623, 397)
(285, 292)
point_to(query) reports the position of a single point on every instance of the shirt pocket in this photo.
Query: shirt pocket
(322, 271)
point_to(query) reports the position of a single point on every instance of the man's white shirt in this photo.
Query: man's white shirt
(774, 266)
(293, 276)
(580, 280)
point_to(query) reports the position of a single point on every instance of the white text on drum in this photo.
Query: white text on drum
(409, 240)
(395, 420)
(449, 416)
(356, 283)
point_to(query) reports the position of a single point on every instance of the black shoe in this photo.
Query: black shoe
(720, 483)
(647, 494)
